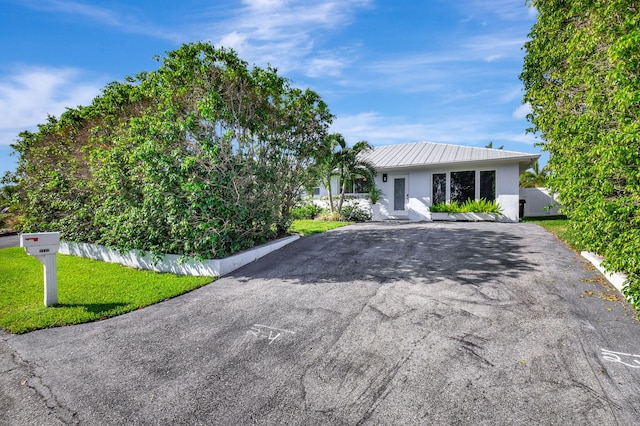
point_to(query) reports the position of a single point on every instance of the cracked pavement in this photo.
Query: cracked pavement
(378, 323)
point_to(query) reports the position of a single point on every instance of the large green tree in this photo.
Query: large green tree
(202, 157)
(582, 79)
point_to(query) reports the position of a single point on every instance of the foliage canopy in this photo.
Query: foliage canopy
(582, 79)
(202, 157)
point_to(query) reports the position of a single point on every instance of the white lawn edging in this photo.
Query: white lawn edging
(617, 279)
(171, 262)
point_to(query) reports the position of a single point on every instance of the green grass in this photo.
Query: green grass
(310, 227)
(88, 290)
(559, 226)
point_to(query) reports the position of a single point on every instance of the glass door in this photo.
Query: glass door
(400, 195)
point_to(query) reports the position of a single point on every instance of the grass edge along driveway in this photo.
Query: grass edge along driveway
(90, 290)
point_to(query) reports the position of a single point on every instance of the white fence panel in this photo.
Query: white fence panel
(539, 202)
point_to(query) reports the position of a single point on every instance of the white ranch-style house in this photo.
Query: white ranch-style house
(414, 176)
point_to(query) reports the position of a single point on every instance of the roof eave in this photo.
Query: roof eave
(523, 161)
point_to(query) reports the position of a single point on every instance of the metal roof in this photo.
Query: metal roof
(429, 153)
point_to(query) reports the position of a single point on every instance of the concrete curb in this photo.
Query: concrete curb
(617, 279)
(171, 262)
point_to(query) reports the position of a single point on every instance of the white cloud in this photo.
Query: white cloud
(319, 67)
(522, 111)
(265, 4)
(506, 10)
(235, 41)
(126, 19)
(470, 129)
(383, 130)
(525, 138)
(440, 70)
(285, 33)
(100, 14)
(512, 94)
(28, 95)
(492, 58)
(377, 129)
(494, 46)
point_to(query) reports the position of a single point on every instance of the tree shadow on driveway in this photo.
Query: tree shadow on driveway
(468, 253)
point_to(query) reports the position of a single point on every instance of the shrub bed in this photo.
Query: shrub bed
(470, 206)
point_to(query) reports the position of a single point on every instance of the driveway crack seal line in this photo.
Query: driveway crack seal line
(353, 319)
(593, 391)
(35, 382)
(383, 389)
(469, 347)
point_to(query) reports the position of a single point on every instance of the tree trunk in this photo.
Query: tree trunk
(330, 194)
(344, 188)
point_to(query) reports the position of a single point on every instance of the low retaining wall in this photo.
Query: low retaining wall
(171, 262)
(617, 279)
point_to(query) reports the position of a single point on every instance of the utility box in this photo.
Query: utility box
(44, 246)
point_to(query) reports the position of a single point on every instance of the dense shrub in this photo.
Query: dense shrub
(203, 157)
(469, 206)
(355, 213)
(329, 216)
(306, 211)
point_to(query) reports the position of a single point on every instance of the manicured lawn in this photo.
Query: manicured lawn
(310, 227)
(88, 290)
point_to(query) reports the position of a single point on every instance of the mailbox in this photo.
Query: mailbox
(40, 243)
(44, 246)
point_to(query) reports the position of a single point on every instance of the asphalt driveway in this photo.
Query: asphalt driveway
(412, 323)
(9, 240)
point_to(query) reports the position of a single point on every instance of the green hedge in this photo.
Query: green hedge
(582, 79)
(469, 206)
(202, 157)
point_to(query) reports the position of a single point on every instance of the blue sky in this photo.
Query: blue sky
(391, 71)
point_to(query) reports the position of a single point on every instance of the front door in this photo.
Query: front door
(400, 195)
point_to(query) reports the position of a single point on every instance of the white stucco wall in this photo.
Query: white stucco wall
(539, 202)
(507, 190)
(419, 184)
(418, 191)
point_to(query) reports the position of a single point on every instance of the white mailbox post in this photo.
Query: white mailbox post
(44, 246)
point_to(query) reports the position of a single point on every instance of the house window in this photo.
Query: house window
(439, 189)
(360, 185)
(316, 191)
(348, 187)
(357, 186)
(488, 185)
(463, 186)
